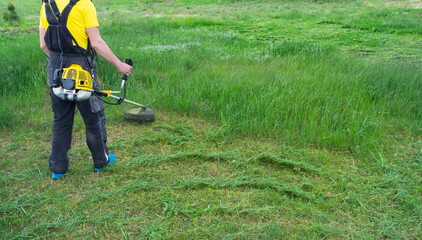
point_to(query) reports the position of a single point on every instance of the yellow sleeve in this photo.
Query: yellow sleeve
(43, 17)
(90, 15)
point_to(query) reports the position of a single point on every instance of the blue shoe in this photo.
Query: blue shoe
(111, 160)
(57, 176)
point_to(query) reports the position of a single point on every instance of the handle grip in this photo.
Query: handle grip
(127, 61)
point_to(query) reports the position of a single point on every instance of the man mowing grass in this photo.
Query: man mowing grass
(68, 30)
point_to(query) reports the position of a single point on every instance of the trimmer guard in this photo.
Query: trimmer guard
(140, 114)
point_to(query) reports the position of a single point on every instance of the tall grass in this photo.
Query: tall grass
(293, 91)
(304, 92)
(23, 85)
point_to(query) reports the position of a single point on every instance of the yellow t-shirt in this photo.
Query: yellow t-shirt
(82, 16)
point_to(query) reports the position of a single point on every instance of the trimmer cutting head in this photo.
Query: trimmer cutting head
(140, 114)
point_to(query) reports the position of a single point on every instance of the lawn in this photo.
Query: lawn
(274, 120)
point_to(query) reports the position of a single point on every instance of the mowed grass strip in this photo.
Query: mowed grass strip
(234, 190)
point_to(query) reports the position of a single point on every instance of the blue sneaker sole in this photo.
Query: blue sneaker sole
(111, 160)
(56, 176)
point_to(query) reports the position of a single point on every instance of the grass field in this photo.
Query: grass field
(274, 120)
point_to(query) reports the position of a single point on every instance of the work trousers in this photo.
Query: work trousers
(92, 112)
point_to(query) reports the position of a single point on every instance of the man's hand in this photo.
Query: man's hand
(124, 68)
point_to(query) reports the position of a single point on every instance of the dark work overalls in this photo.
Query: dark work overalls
(63, 54)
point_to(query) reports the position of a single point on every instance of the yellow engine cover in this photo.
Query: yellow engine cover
(82, 78)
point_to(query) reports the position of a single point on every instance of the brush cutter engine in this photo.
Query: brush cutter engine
(72, 83)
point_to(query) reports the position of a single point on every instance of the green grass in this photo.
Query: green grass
(275, 120)
(174, 179)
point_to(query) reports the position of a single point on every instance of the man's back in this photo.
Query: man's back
(82, 16)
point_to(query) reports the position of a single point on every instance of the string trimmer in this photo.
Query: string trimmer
(75, 84)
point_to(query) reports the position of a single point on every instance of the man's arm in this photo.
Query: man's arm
(101, 47)
(42, 42)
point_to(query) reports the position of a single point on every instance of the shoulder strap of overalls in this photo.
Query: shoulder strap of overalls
(51, 16)
(61, 18)
(65, 14)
